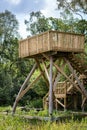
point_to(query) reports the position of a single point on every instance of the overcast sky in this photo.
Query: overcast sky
(22, 8)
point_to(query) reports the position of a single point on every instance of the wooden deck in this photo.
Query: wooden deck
(51, 41)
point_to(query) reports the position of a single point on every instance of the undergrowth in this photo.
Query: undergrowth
(9, 122)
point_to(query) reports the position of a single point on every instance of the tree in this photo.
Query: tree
(75, 6)
(8, 54)
(8, 27)
(37, 23)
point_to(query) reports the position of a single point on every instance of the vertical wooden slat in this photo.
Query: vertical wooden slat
(37, 44)
(48, 40)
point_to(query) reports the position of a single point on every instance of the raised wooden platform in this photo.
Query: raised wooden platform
(51, 41)
(52, 52)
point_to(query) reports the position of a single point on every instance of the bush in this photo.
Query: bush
(36, 103)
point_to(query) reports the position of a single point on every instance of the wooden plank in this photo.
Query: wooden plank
(60, 95)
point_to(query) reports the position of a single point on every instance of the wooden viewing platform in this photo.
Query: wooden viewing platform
(52, 52)
(51, 41)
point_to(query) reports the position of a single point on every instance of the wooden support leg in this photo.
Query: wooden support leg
(51, 88)
(22, 87)
(56, 105)
(83, 101)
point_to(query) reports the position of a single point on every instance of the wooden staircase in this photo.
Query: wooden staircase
(63, 90)
(78, 62)
(61, 93)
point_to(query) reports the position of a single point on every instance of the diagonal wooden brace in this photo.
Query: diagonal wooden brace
(22, 87)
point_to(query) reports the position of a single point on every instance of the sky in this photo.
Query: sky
(22, 8)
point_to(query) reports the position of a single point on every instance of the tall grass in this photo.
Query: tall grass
(7, 122)
(16, 123)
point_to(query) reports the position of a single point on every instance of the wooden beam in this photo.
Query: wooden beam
(67, 77)
(57, 78)
(55, 75)
(39, 66)
(46, 71)
(60, 103)
(59, 69)
(71, 86)
(23, 86)
(83, 101)
(60, 95)
(44, 100)
(51, 88)
(77, 79)
(29, 86)
(56, 81)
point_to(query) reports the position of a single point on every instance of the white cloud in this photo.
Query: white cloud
(22, 26)
(50, 9)
(15, 2)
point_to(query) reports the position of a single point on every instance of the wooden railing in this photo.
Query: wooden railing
(62, 89)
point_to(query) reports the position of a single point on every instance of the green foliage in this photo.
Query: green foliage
(7, 122)
(75, 6)
(37, 23)
(41, 88)
(8, 55)
(35, 103)
(5, 88)
(13, 70)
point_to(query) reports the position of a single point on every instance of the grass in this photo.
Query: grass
(7, 122)
(16, 123)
